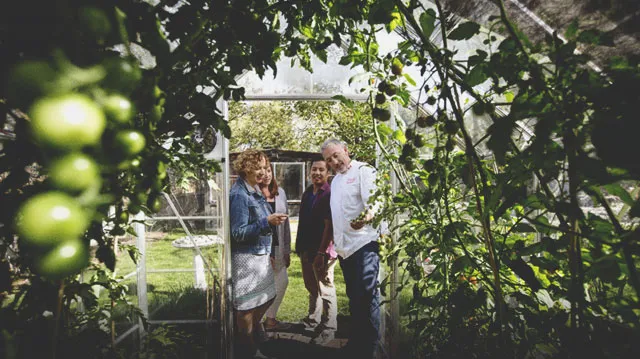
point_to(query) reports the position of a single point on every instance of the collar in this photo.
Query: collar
(325, 187)
(351, 162)
(247, 187)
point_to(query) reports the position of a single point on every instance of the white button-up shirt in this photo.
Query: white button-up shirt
(350, 192)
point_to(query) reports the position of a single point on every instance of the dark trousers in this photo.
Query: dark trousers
(360, 273)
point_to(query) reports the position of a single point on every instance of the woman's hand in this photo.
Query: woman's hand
(276, 219)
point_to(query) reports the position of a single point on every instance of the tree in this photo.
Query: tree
(302, 126)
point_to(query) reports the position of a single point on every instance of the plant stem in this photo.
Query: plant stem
(58, 314)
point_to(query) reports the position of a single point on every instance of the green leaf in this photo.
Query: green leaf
(508, 96)
(544, 297)
(306, 31)
(403, 97)
(381, 12)
(363, 76)
(427, 21)
(500, 137)
(479, 57)
(595, 37)
(607, 269)
(617, 190)
(384, 130)
(397, 21)
(409, 79)
(399, 136)
(477, 75)
(619, 63)
(460, 264)
(464, 31)
(322, 55)
(524, 271)
(572, 30)
(122, 28)
(349, 103)
(523, 228)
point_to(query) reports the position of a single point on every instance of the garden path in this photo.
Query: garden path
(295, 342)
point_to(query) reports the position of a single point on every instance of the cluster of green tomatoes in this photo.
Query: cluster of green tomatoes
(82, 130)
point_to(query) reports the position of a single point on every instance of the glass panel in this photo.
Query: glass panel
(194, 194)
(327, 78)
(290, 177)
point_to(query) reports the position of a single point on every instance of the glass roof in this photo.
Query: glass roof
(328, 78)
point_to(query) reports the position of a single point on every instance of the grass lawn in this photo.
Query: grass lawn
(173, 296)
(165, 288)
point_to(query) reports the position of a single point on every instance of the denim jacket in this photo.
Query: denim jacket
(248, 211)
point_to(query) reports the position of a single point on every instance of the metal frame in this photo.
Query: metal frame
(141, 271)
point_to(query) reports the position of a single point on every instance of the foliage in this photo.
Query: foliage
(503, 206)
(29, 321)
(520, 268)
(302, 126)
(160, 61)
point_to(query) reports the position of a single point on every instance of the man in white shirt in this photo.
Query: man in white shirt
(356, 243)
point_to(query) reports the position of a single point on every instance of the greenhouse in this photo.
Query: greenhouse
(505, 202)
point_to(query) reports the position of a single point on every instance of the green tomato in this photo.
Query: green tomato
(396, 67)
(74, 172)
(162, 170)
(29, 80)
(65, 259)
(95, 20)
(122, 75)
(155, 115)
(67, 122)
(451, 127)
(154, 203)
(123, 217)
(159, 96)
(48, 218)
(118, 109)
(129, 164)
(381, 114)
(129, 142)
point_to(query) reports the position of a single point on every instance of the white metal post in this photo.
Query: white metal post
(143, 304)
(226, 311)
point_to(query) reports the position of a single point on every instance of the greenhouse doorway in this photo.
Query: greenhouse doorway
(285, 161)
